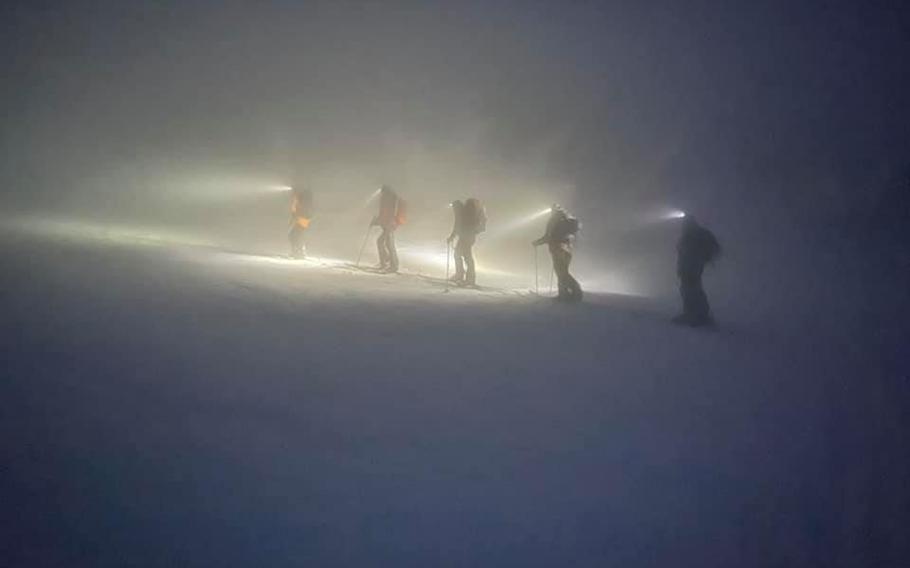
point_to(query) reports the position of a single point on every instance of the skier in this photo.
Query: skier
(560, 237)
(697, 247)
(301, 215)
(470, 220)
(457, 219)
(391, 215)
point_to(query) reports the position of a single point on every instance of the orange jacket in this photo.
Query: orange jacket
(388, 211)
(298, 212)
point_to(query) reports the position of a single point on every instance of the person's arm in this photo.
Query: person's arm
(454, 230)
(546, 236)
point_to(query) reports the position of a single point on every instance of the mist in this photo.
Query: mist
(180, 392)
(186, 113)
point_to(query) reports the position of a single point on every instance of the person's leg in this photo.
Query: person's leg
(301, 242)
(392, 251)
(467, 252)
(707, 306)
(294, 239)
(688, 285)
(459, 260)
(685, 295)
(562, 272)
(382, 250)
(702, 311)
(574, 288)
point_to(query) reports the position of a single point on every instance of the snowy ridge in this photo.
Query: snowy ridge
(183, 405)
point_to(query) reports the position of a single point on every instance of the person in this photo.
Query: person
(470, 220)
(697, 247)
(457, 215)
(301, 215)
(560, 238)
(391, 216)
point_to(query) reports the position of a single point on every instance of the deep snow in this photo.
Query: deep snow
(184, 406)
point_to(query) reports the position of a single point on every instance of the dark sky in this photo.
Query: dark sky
(798, 109)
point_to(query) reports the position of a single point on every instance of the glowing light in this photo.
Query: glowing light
(310, 262)
(279, 188)
(519, 223)
(673, 214)
(425, 256)
(372, 196)
(611, 283)
(124, 235)
(435, 257)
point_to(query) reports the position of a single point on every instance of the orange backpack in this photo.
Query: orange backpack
(401, 212)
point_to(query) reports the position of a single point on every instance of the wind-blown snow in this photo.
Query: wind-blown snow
(184, 406)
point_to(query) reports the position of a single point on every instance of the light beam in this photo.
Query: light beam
(673, 214)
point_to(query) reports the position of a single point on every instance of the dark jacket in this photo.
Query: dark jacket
(558, 231)
(697, 246)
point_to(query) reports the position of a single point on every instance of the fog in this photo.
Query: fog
(179, 392)
(183, 115)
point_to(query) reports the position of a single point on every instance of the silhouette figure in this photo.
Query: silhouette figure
(301, 216)
(696, 248)
(391, 216)
(470, 220)
(560, 238)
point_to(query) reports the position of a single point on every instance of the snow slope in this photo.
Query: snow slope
(182, 406)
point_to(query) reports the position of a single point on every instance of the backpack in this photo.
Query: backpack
(563, 228)
(711, 246)
(569, 226)
(475, 215)
(401, 212)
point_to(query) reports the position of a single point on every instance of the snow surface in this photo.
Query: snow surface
(185, 406)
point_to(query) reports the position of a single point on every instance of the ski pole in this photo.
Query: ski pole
(536, 282)
(363, 245)
(448, 254)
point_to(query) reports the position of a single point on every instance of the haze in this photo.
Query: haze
(179, 392)
(178, 113)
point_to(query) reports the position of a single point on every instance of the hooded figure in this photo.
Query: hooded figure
(560, 237)
(470, 220)
(301, 215)
(697, 247)
(391, 212)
